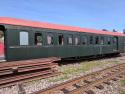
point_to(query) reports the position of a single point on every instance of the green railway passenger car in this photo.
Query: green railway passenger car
(23, 39)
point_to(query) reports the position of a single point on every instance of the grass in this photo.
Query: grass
(76, 69)
(122, 93)
(80, 68)
(123, 82)
(123, 85)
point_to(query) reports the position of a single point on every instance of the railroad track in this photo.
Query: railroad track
(15, 72)
(21, 78)
(25, 65)
(85, 83)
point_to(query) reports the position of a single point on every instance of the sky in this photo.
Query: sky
(96, 14)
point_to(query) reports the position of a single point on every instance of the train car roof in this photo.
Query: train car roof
(21, 22)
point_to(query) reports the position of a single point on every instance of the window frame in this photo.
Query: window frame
(102, 40)
(52, 38)
(116, 40)
(85, 40)
(2, 36)
(35, 39)
(109, 40)
(91, 42)
(97, 42)
(62, 39)
(70, 36)
(79, 40)
(21, 37)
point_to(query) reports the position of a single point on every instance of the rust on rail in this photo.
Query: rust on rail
(25, 70)
(104, 76)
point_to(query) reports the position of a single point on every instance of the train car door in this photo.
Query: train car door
(115, 43)
(2, 52)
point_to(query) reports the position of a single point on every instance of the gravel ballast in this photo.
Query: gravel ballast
(37, 85)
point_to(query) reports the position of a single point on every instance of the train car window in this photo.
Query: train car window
(2, 54)
(84, 40)
(24, 38)
(60, 40)
(96, 40)
(1, 36)
(70, 40)
(91, 40)
(49, 39)
(102, 40)
(114, 40)
(77, 40)
(109, 40)
(38, 39)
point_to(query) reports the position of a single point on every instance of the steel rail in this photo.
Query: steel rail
(25, 70)
(63, 86)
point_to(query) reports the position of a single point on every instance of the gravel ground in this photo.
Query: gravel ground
(109, 89)
(37, 85)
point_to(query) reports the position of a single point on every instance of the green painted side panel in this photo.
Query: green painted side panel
(17, 52)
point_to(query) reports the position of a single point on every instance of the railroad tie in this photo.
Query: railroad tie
(90, 92)
(107, 82)
(21, 89)
(65, 90)
(99, 87)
